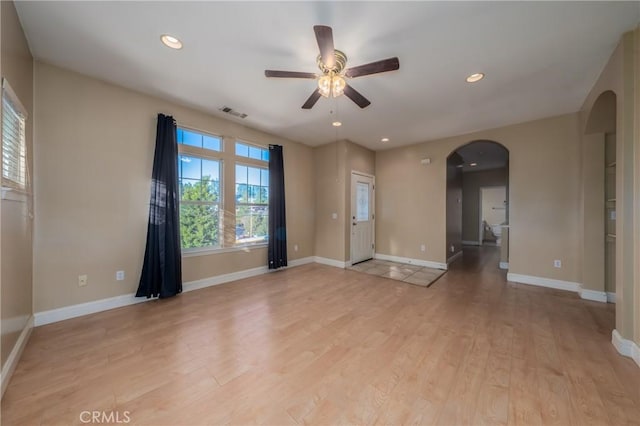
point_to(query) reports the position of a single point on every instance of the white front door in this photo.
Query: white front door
(362, 217)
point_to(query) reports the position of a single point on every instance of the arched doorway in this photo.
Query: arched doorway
(478, 198)
(599, 174)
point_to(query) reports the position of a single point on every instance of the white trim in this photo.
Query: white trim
(73, 311)
(611, 297)
(626, 347)
(470, 243)
(331, 262)
(206, 251)
(81, 309)
(543, 282)
(408, 260)
(12, 361)
(504, 265)
(454, 258)
(595, 295)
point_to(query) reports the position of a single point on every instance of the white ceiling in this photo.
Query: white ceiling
(540, 59)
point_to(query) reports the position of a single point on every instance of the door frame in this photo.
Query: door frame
(352, 213)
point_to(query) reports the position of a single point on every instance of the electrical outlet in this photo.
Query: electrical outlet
(295, 247)
(82, 280)
(557, 263)
(334, 215)
(120, 275)
(423, 247)
(452, 248)
(612, 215)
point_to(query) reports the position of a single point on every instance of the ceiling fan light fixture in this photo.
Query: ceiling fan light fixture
(171, 41)
(475, 77)
(337, 86)
(324, 85)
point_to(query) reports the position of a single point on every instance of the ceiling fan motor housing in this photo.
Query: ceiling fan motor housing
(340, 63)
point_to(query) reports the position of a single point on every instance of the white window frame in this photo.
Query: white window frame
(212, 155)
(20, 179)
(241, 160)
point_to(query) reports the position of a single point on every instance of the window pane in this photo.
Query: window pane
(252, 224)
(241, 174)
(265, 155)
(255, 153)
(213, 190)
(254, 193)
(190, 167)
(211, 168)
(179, 135)
(264, 195)
(242, 193)
(211, 142)
(190, 189)
(362, 201)
(242, 150)
(191, 138)
(264, 177)
(254, 176)
(199, 225)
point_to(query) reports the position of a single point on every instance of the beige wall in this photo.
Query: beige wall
(16, 226)
(94, 151)
(471, 184)
(357, 159)
(620, 75)
(543, 196)
(334, 163)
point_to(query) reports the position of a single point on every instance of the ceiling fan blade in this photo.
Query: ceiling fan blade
(356, 97)
(324, 36)
(312, 100)
(384, 65)
(289, 74)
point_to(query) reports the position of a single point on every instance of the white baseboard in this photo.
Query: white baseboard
(12, 361)
(626, 347)
(73, 311)
(470, 243)
(331, 262)
(410, 261)
(594, 295)
(454, 258)
(504, 265)
(611, 297)
(543, 282)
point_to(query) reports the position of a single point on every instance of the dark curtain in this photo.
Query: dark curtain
(162, 269)
(277, 214)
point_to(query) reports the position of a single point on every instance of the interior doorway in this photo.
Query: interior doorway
(477, 174)
(362, 217)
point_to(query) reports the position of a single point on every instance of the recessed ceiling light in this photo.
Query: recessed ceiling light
(336, 124)
(171, 41)
(475, 77)
(384, 140)
(473, 164)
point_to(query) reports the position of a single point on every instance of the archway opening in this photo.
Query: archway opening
(599, 175)
(478, 199)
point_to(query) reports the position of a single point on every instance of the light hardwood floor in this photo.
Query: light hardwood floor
(321, 345)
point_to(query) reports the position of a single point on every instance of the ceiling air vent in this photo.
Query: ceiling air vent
(233, 112)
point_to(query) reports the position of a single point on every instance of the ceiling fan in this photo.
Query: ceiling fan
(332, 64)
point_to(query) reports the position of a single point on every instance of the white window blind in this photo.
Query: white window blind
(14, 149)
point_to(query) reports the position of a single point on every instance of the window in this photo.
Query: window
(14, 146)
(200, 190)
(250, 151)
(252, 203)
(199, 140)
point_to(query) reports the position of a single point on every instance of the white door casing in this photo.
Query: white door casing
(362, 217)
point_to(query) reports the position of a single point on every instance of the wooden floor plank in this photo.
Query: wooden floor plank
(321, 345)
